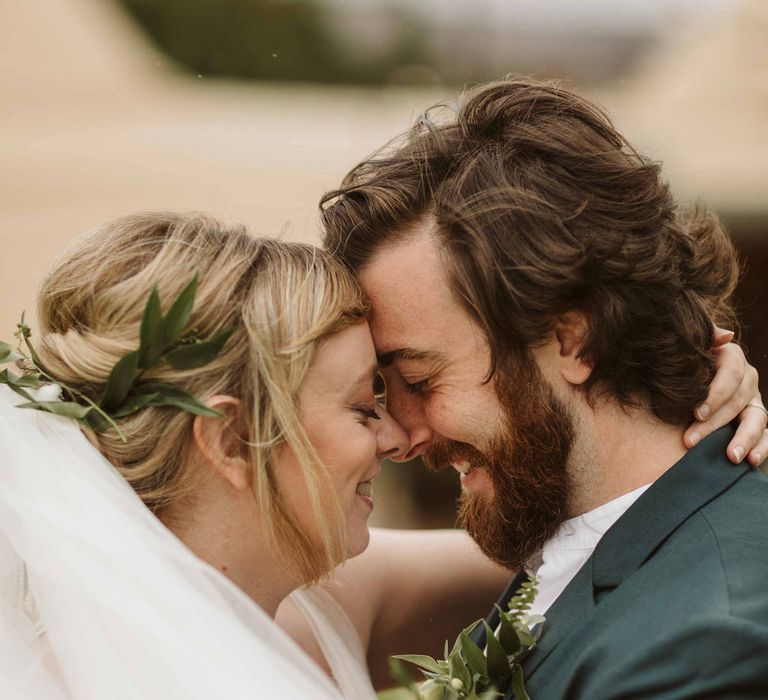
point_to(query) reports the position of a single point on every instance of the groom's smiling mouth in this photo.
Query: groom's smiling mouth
(463, 467)
(472, 478)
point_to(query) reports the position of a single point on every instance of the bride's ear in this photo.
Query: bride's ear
(220, 442)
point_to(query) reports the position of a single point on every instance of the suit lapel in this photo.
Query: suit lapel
(478, 634)
(574, 605)
(699, 477)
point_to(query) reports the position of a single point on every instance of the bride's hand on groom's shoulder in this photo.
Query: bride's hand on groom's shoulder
(733, 393)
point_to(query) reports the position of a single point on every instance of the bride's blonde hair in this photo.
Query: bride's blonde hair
(282, 298)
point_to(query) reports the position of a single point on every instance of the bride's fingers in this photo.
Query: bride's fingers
(731, 406)
(750, 433)
(722, 336)
(759, 452)
(750, 429)
(734, 384)
(751, 437)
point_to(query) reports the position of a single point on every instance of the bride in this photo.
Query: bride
(144, 551)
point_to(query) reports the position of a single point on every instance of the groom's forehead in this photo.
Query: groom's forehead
(410, 308)
(407, 276)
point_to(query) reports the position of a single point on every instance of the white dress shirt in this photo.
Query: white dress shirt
(564, 554)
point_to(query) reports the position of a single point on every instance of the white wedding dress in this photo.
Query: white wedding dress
(338, 640)
(98, 600)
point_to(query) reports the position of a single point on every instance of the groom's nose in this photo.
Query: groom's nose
(408, 410)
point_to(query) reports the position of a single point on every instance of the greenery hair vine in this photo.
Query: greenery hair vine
(164, 339)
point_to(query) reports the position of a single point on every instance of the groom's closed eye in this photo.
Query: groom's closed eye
(418, 388)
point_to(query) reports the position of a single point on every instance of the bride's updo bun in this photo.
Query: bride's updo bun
(281, 298)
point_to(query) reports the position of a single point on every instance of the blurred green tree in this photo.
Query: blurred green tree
(285, 40)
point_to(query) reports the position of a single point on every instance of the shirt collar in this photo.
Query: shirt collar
(584, 531)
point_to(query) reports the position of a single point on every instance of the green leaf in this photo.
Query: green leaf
(458, 669)
(97, 421)
(198, 354)
(498, 665)
(169, 395)
(7, 353)
(420, 660)
(23, 330)
(507, 633)
(456, 649)
(474, 655)
(134, 402)
(491, 694)
(27, 381)
(433, 692)
(471, 628)
(151, 345)
(120, 381)
(525, 637)
(517, 683)
(30, 381)
(70, 409)
(7, 377)
(180, 312)
(397, 694)
(400, 673)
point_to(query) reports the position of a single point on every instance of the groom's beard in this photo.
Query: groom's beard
(527, 466)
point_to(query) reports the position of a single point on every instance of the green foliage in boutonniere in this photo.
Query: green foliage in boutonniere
(470, 673)
(162, 340)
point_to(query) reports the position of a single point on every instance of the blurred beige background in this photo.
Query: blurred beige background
(97, 122)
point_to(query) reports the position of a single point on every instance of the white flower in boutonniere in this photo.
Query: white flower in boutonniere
(470, 673)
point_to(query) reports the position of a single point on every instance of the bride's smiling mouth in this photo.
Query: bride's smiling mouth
(365, 491)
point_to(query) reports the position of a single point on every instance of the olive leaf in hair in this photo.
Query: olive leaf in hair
(162, 339)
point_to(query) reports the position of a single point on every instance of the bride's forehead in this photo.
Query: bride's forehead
(342, 361)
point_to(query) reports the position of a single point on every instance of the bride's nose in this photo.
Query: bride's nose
(391, 439)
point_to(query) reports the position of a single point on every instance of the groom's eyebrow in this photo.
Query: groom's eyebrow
(387, 358)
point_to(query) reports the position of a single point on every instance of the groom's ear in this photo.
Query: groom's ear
(571, 332)
(220, 443)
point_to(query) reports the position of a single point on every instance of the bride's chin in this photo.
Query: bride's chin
(358, 542)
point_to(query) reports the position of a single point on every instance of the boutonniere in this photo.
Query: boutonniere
(470, 673)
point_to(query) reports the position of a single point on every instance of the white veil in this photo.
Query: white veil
(127, 610)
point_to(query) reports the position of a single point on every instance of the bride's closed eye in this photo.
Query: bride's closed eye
(367, 413)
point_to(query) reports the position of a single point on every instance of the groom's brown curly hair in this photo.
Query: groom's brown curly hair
(543, 208)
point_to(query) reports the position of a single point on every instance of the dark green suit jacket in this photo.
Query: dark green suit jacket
(673, 602)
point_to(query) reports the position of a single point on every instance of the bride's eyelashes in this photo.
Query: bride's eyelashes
(366, 412)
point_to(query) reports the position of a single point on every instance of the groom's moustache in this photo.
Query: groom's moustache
(444, 453)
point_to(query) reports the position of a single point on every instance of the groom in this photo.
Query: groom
(543, 314)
